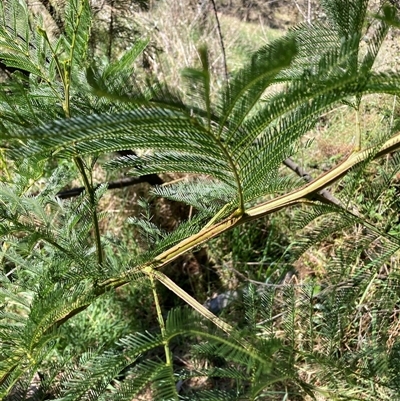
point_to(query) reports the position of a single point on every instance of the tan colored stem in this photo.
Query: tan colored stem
(188, 299)
(168, 357)
(301, 195)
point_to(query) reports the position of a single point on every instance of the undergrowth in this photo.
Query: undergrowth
(232, 278)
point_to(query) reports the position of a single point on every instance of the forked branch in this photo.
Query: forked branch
(301, 195)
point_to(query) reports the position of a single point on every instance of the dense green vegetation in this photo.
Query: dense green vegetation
(230, 276)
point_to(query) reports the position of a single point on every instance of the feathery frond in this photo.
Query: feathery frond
(56, 260)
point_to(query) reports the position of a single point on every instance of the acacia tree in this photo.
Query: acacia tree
(57, 261)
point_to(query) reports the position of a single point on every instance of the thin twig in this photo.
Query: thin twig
(325, 194)
(151, 179)
(393, 111)
(221, 40)
(300, 10)
(110, 31)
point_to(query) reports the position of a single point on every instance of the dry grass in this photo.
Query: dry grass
(174, 46)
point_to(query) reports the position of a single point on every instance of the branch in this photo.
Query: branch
(301, 195)
(323, 195)
(152, 179)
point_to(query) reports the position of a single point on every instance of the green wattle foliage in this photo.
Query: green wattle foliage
(61, 110)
